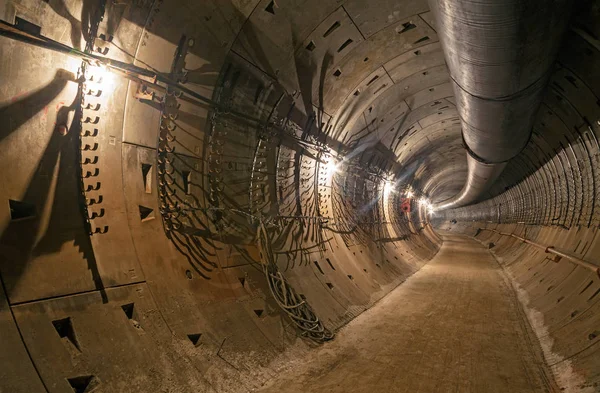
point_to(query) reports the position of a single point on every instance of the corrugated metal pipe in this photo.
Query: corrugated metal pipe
(500, 54)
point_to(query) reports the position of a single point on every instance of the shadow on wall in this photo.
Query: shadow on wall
(48, 214)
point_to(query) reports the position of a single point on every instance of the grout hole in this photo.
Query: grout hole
(271, 7)
(337, 72)
(333, 28)
(311, 46)
(373, 80)
(329, 262)
(422, 39)
(344, 45)
(187, 181)
(319, 267)
(329, 285)
(146, 214)
(586, 287)
(64, 328)
(406, 27)
(259, 312)
(195, 338)
(128, 309)
(84, 383)
(147, 177)
(350, 277)
(21, 210)
(188, 274)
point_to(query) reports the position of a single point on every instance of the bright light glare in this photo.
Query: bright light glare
(102, 79)
(409, 194)
(423, 201)
(388, 188)
(332, 168)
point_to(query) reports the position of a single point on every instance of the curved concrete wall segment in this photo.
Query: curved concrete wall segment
(194, 195)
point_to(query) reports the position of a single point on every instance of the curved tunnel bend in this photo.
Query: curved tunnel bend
(243, 178)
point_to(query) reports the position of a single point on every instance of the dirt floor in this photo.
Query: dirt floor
(454, 326)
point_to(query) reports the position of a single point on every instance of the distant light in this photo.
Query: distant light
(409, 194)
(423, 201)
(388, 188)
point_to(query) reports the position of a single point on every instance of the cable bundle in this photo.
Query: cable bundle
(286, 297)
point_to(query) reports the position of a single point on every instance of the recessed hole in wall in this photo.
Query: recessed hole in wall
(329, 285)
(365, 270)
(332, 29)
(571, 80)
(380, 89)
(431, 89)
(594, 295)
(64, 328)
(350, 277)
(128, 309)
(593, 335)
(373, 80)
(188, 274)
(318, 267)
(560, 299)
(406, 27)
(259, 90)
(195, 338)
(417, 52)
(311, 46)
(146, 214)
(187, 181)
(329, 262)
(574, 313)
(426, 73)
(396, 257)
(344, 45)
(27, 26)
(366, 59)
(84, 383)
(271, 8)
(356, 93)
(586, 287)
(422, 39)
(259, 312)
(21, 210)
(491, 245)
(242, 280)
(147, 178)
(337, 72)
(378, 265)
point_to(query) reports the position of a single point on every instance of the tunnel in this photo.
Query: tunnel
(265, 196)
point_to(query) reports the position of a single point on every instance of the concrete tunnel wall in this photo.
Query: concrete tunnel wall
(123, 271)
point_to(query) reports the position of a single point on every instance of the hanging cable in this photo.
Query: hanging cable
(297, 309)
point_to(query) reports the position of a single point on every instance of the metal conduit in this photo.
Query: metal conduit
(551, 250)
(500, 54)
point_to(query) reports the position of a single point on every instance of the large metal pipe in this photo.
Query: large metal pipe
(500, 54)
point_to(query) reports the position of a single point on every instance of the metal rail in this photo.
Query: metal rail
(551, 250)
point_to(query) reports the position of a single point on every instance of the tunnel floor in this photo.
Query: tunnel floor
(454, 326)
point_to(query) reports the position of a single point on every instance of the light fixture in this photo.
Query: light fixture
(332, 168)
(101, 78)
